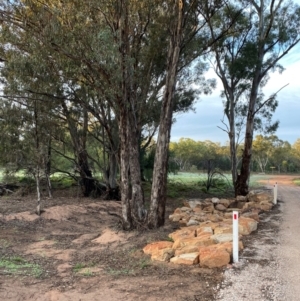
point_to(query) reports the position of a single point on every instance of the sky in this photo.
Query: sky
(203, 124)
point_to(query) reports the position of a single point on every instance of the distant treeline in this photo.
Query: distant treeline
(270, 154)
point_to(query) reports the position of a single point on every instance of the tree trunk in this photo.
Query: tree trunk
(156, 217)
(137, 195)
(132, 198)
(242, 182)
(48, 168)
(78, 138)
(87, 183)
(124, 171)
(232, 138)
(111, 172)
(38, 190)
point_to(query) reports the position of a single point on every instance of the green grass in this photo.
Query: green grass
(18, 266)
(61, 181)
(78, 267)
(84, 269)
(297, 182)
(4, 243)
(118, 272)
(184, 184)
(194, 178)
(186, 177)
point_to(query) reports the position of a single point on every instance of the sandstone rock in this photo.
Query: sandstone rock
(213, 225)
(201, 217)
(187, 259)
(158, 245)
(214, 217)
(178, 211)
(219, 238)
(212, 238)
(193, 204)
(198, 215)
(202, 240)
(186, 232)
(241, 198)
(230, 209)
(163, 255)
(183, 222)
(186, 250)
(177, 217)
(227, 246)
(204, 229)
(252, 214)
(265, 205)
(208, 207)
(186, 209)
(220, 207)
(240, 205)
(186, 203)
(249, 205)
(204, 235)
(233, 204)
(247, 225)
(227, 215)
(211, 257)
(223, 228)
(192, 222)
(259, 196)
(215, 200)
(225, 202)
(197, 209)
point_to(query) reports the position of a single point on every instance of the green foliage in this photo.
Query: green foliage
(178, 189)
(62, 181)
(216, 179)
(187, 153)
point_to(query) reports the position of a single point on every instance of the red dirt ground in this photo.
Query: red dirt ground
(84, 255)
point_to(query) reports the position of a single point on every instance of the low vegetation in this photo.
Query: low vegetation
(18, 266)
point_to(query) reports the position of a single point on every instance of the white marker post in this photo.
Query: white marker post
(235, 236)
(275, 194)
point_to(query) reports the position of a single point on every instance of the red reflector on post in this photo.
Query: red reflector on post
(235, 216)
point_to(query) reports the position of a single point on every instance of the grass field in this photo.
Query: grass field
(297, 182)
(182, 180)
(189, 178)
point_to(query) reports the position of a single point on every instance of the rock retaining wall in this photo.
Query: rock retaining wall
(205, 236)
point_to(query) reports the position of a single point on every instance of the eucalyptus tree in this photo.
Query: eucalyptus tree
(263, 33)
(29, 76)
(296, 154)
(262, 149)
(26, 140)
(124, 54)
(188, 40)
(280, 153)
(107, 48)
(276, 32)
(231, 67)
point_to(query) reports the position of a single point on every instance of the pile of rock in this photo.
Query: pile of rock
(205, 237)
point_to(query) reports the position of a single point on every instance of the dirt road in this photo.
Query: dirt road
(269, 270)
(289, 249)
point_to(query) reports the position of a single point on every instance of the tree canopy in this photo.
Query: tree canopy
(87, 85)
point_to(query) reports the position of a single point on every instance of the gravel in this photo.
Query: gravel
(269, 267)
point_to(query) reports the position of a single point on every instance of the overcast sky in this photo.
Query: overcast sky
(203, 125)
